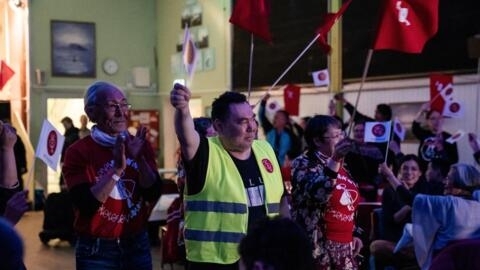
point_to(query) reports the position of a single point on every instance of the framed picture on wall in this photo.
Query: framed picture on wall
(73, 49)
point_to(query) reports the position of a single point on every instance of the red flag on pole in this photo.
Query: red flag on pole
(253, 15)
(440, 86)
(406, 25)
(327, 23)
(442, 97)
(5, 74)
(291, 99)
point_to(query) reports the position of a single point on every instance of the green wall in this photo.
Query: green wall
(205, 84)
(125, 31)
(129, 31)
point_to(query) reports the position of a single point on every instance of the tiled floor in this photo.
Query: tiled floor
(57, 255)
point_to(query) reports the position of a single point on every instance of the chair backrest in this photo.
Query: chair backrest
(377, 226)
(363, 219)
(169, 186)
(462, 254)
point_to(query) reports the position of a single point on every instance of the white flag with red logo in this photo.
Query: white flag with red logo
(189, 52)
(399, 129)
(456, 136)
(49, 145)
(377, 131)
(453, 108)
(271, 109)
(321, 77)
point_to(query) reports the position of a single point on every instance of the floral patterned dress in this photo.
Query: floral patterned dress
(324, 204)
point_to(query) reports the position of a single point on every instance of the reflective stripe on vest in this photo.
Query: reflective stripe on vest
(225, 207)
(273, 207)
(222, 207)
(206, 236)
(216, 218)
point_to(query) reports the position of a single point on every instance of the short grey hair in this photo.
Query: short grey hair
(92, 92)
(465, 176)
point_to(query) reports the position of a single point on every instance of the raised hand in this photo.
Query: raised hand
(8, 135)
(180, 96)
(119, 159)
(135, 144)
(16, 206)
(472, 140)
(342, 148)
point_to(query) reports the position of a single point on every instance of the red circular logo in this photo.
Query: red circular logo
(268, 165)
(321, 76)
(454, 107)
(378, 130)
(52, 142)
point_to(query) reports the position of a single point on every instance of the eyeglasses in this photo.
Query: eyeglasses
(113, 107)
(341, 134)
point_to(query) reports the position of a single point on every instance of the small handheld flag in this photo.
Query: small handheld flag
(321, 77)
(455, 137)
(49, 145)
(377, 131)
(291, 99)
(189, 52)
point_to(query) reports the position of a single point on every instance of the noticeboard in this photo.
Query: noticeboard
(149, 119)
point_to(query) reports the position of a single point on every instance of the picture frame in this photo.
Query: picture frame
(73, 50)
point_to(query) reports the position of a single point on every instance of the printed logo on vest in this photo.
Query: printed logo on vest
(268, 165)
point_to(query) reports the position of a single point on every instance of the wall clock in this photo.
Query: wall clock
(110, 66)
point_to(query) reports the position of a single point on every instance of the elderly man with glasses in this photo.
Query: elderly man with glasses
(112, 178)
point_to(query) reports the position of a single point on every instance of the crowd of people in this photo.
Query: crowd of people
(239, 209)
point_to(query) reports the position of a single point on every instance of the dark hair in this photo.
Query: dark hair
(385, 110)
(441, 165)
(317, 126)
(409, 157)
(285, 114)
(11, 249)
(279, 243)
(429, 112)
(67, 120)
(202, 124)
(221, 105)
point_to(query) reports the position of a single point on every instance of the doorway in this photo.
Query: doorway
(57, 109)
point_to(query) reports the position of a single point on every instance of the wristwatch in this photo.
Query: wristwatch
(115, 177)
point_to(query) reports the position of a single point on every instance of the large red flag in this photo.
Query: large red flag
(253, 15)
(5, 74)
(406, 25)
(291, 99)
(327, 23)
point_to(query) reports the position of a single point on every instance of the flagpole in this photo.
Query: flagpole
(364, 76)
(388, 141)
(30, 181)
(290, 67)
(478, 93)
(250, 67)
